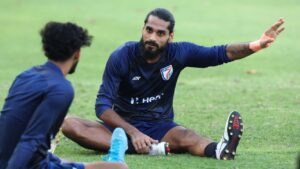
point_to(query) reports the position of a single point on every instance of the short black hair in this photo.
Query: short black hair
(61, 40)
(163, 14)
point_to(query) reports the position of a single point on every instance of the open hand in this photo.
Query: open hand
(270, 35)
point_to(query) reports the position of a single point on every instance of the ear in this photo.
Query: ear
(171, 37)
(77, 54)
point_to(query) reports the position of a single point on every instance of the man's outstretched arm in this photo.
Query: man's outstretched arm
(241, 50)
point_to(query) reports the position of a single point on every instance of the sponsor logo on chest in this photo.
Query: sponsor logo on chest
(166, 72)
(149, 99)
(136, 78)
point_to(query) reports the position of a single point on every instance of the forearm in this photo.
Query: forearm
(111, 118)
(238, 51)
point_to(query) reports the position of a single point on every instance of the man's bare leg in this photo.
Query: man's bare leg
(89, 134)
(181, 139)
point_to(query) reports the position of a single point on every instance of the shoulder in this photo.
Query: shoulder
(188, 48)
(43, 81)
(184, 45)
(61, 85)
(122, 57)
(181, 44)
(57, 84)
(179, 49)
(128, 46)
(60, 92)
(125, 51)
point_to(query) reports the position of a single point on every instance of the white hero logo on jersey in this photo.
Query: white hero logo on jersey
(136, 78)
(166, 72)
(150, 99)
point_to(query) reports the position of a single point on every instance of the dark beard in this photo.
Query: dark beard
(73, 68)
(148, 54)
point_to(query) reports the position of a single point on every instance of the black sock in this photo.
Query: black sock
(210, 150)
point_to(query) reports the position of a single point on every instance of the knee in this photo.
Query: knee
(188, 138)
(69, 127)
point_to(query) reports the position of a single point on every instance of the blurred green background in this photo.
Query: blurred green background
(264, 87)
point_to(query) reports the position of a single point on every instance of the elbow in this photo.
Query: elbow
(98, 115)
(100, 110)
(230, 56)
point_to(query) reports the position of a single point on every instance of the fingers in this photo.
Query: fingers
(145, 146)
(267, 43)
(143, 143)
(280, 30)
(148, 143)
(139, 147)
(142, 148)
(277, 24)
(153, 141)
(273, 32)
(135, 145)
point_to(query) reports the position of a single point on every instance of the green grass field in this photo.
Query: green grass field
(269, 100)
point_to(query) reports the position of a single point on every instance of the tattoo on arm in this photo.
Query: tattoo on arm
(238, 51)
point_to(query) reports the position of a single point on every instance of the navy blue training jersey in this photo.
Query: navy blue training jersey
(34, 109)
(140, 91)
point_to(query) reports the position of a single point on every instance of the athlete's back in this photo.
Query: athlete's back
(26, 95)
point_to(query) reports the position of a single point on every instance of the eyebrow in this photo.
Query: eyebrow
(149, 27)
(159, 30)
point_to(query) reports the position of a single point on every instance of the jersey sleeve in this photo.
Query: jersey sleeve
(45, 116)
(113, 73)
(192, 55)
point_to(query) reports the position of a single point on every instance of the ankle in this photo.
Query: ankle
(210, 150)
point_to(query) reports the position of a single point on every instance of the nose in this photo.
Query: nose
(152, 37)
